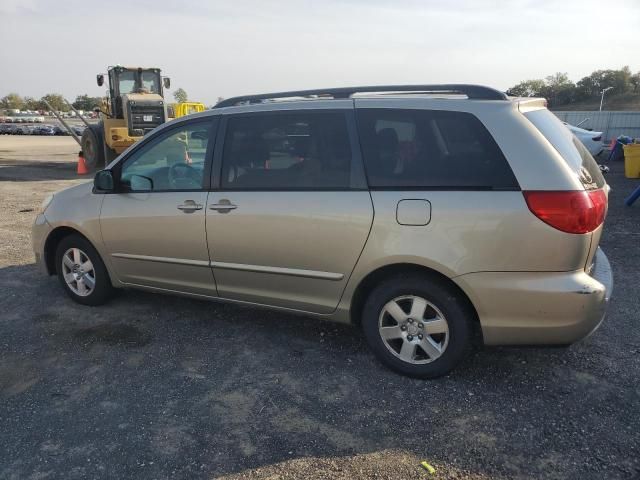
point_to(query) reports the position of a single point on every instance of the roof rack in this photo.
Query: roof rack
(474, 92)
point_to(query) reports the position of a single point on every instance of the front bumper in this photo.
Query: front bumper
(39, 233)
(540, 308)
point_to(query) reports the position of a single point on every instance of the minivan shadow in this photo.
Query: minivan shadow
(178, 382)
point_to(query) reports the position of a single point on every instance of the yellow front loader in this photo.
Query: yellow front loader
(135, 106)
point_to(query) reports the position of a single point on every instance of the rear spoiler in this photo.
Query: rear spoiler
(527, 104)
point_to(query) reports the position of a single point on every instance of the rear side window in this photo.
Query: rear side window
(287, 151)
(569, 147)
(431, 149)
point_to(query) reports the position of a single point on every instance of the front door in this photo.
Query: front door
(154, 228)
(292, 212)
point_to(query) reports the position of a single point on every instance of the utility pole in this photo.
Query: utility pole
(605, 90)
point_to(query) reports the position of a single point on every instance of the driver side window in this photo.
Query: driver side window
(173, 161)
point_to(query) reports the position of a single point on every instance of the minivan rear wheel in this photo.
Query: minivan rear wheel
(417, 326)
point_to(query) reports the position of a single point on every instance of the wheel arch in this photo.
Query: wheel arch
(373, 278)
(51, 244)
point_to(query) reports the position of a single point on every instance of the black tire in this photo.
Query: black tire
(109, 155)
(455, 310)
(92, 142)
(102, 289)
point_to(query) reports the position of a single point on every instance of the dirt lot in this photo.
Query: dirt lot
(160, 387)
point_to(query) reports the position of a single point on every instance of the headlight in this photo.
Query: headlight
(45, 203)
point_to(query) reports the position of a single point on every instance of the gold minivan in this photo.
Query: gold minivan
(430, 216)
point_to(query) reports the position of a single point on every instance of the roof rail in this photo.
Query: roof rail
(474, 92)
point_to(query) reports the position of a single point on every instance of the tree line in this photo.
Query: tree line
(14, 101)
(84, 102)
(559, 90)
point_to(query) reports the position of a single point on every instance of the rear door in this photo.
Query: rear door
(445, 195)
(291, 212)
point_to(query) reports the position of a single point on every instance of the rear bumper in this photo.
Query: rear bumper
(540, 308)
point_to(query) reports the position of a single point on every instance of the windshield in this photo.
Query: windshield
(126, 82)
(129, 81)
(151, 82)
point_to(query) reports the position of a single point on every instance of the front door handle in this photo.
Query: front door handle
(190, 206)
(223, 206)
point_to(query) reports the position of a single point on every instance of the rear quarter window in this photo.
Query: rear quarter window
(574, 153)
(431, 149)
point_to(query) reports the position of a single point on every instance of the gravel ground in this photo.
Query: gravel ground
(159, 387)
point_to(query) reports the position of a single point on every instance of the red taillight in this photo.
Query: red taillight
(571, 212)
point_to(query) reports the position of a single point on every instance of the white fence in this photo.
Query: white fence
(611, 124)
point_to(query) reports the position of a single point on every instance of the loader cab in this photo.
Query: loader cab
(125, 81)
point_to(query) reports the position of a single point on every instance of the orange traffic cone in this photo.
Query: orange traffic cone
(82, 166)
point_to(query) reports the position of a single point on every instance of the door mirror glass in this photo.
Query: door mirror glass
(100, 79)
(140, 183)
(166, 81)
(103, 181)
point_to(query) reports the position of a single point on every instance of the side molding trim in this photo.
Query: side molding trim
(177, 261)
(294, 272)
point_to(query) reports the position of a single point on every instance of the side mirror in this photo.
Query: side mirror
(166, 81)
(103, 181)
(100, 79)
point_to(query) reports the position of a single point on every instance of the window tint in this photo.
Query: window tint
(127, 80)
(430, 149)
(287, 151)
(570, 148)
(174, 161)
(150, 81)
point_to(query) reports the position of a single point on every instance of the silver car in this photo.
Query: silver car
(430, 216)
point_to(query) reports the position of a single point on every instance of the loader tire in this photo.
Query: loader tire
(93, 147)
(109, 154)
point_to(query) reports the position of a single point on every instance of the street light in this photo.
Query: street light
(605, 90)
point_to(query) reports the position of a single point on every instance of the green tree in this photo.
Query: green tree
(528, 88)
(587, 87)
(86, 103)
(56, 101)
(31, 103)
(180, 95)
(635, 82)
(559, 89)
(11, 101)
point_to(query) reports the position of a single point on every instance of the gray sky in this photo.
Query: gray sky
(225, 48)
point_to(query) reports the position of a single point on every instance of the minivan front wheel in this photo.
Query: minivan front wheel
(81, 271)
(417, 326)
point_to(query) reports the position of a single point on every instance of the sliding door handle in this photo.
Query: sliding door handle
(190, 206)
(223, 206)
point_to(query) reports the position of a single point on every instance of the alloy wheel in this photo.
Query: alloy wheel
(78, 272)
(413, 329)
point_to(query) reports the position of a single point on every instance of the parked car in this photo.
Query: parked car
(7, 129)
(22, 130)
(488, 215)
(44, 130)
(60, 130)
(591, 140)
